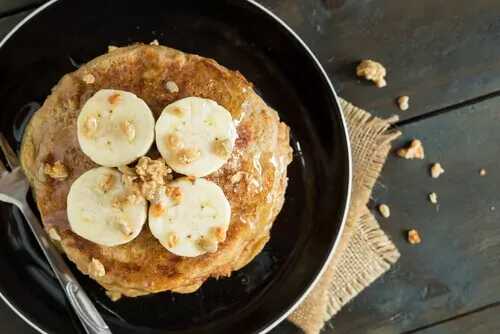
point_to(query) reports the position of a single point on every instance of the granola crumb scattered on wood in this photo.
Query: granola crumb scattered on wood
(436, 170)
(404, 102)
(433, 198)
(372, 70)
(384, 210)
(414, 237)
(482, 172)
(413, 151)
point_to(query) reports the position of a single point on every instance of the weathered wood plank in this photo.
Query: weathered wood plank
(8, 7)
(457, 267)
(439, 53)
(483, 322)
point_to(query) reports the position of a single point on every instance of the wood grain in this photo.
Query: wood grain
(486, 321)
(438, 52)
(456, 269)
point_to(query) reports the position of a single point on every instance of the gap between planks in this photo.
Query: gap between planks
(449, 108)
(456, 317)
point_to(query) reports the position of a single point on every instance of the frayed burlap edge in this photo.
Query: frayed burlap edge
(364, 252)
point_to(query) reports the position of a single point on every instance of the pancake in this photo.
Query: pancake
(254, 178)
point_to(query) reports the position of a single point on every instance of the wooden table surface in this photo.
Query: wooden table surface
(446, 56)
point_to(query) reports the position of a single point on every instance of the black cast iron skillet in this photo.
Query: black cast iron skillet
(240, 35)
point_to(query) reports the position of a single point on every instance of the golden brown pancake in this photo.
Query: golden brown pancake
(254, 179)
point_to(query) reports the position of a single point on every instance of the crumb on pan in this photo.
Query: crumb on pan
(384, 210)
(404, 102)
(482, 172)
(96, 268)
(172, 87)
(372, 70)
(414, 151)
(414, 237)
(436, 170)
(57, 170)
(113, 295)
(54, 235)
(433, 198)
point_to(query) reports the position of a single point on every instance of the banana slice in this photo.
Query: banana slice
(195, 136)
(102, 210)
(192, 217)
(115, 128)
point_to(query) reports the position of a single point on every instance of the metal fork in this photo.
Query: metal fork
(13, 189)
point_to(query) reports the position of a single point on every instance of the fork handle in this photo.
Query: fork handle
(90, 318)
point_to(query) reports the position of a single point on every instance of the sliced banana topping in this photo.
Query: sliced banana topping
(191, 218)
(195, 136)
(115, 128)
(101, 209)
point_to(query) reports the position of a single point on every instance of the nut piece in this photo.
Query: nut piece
(128, 129)
(113, 295)
(436, 170)
(172, 240)
(173, 141)
(222, 147)
(88, 78)
(107, 183)
(154, 42)
(384, 210)
(482, 172)
(174, 193)
(123, 226)
(96, 268)
(207, 244)
(188, 155)
(372, 70)
(433, 198)
(126, 170)
(56, 171)
(218, 233)
(121, 202)
(54, 235)
(112, 99)
(414, 151)
(90, 127)
(403, 102)
(414, 237)
(172, 87)
(157, 209)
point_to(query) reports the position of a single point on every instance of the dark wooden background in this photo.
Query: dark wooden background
(444, 54)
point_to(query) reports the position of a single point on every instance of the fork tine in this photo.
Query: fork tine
(9, 153)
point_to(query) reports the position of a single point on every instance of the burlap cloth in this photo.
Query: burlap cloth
(364, 252)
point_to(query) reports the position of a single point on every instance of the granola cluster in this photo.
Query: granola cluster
(148, 178)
